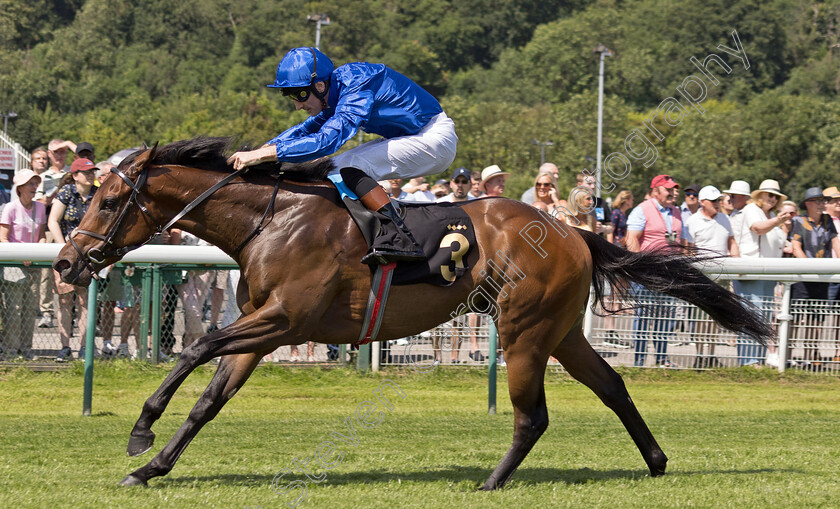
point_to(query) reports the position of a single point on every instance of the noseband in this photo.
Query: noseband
(98, 255)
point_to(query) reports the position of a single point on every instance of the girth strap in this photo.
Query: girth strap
(377, 300)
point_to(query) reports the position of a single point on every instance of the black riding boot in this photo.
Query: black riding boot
(400, 247)
(403, 248)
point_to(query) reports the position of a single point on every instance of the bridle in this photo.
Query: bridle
(99, 255)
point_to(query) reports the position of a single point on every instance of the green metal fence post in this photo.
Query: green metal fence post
(145, 289)
(491, 376)
(90, 345)
(363, 358)
(342, 354)
(157, 289)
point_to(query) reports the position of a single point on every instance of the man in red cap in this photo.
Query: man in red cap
(654, 225)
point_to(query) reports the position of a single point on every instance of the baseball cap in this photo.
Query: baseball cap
(441, 182)
(84, 146)
(24, 176)
(710, 193)
(82, 165)
(461, 172)
(692, 187)
(663, 180)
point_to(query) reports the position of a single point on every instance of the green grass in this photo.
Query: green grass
(735, 438)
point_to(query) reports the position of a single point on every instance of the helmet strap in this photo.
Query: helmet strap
(320, 95)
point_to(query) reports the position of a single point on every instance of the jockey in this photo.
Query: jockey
(418, 138)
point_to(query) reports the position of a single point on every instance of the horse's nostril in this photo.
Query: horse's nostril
(61, 265)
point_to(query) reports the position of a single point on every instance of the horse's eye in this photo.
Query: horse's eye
(109, 204)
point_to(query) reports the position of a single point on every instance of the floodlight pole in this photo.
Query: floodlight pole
(604, 52)
(6, 117)
(318, 19)
(542, 145)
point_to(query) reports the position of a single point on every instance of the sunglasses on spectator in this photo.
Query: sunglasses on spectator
(461, 181)
(544, 184)
(297, 94)
(690, 193)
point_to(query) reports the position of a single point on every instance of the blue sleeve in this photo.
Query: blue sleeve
(636, 220)
(352, 110)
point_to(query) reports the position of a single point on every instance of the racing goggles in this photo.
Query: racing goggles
(298, 94)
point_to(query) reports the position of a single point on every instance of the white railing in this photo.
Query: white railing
(22, 157)
(798, 330)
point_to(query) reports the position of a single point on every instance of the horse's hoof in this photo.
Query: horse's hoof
(130, 480)
(139, 445)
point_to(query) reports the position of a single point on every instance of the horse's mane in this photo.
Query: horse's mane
(210, 153)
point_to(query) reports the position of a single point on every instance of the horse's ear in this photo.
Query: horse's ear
(153, 152)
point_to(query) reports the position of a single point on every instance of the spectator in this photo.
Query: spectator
(440, 191)
(758, 235)
(71, 203)
(654, 225)
(5, 196)
(601, 211)
(739, 193)
(493, 181)
(529, 195)
(547, 198)
(787, 228)
(22, 220)
(710, 230)
(621, 205)
(832, 208)
(395, 191)
(726, 204)
(193, 293)
(84, 150)
(581, 203)
(475, 190)
(418, 190)
(690, 205)
(813, 236)
(460, 186)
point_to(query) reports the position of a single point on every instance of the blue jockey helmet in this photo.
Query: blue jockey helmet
(302, 67)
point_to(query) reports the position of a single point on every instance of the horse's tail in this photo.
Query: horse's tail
(675, 275)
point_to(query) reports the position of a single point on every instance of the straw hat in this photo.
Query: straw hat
(831, 192)
(490, 172)
(769, 186)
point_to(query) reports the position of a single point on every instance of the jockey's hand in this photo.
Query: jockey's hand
(264, 154)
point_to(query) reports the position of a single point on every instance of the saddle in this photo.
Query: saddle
(443, 230)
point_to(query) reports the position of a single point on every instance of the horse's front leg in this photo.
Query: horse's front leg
(248, 334)
(233, 371)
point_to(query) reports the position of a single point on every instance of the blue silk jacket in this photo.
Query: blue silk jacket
(370, 97)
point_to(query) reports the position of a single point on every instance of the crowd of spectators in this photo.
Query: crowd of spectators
(48, 201)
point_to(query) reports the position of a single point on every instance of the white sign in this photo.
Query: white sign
(7, 159)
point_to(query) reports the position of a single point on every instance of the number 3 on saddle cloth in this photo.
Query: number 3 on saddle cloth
(443, 230)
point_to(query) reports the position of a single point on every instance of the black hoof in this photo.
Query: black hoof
(138, 445)
(130, 480)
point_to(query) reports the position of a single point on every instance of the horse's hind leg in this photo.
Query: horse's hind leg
(586, 366)
(526, 372)
(233, 371)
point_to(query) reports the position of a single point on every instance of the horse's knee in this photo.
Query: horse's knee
(614, 393)
(531, 427)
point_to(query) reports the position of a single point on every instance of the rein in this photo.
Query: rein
(98, 255)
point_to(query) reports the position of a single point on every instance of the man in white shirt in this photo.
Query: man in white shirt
(460, 186)
(709, 228)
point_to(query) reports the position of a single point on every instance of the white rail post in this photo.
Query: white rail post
(784, 327)
(377, 356)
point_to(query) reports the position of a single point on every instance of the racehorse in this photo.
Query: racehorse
(302, 279)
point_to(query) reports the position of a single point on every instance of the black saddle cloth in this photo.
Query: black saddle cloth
(446, 235)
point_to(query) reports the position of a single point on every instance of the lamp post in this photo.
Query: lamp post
(318, 19)
(6, 117)
(604, 52)
(542, 145)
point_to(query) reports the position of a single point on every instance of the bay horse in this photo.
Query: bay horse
(302, 279)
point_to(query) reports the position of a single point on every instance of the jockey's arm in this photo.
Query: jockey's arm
(264, 154)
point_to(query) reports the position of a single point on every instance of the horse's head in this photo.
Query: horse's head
(118, 220)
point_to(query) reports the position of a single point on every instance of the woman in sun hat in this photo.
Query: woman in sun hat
(759, 235)
(22, 220)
